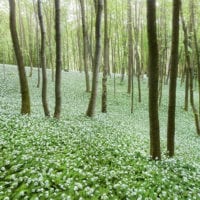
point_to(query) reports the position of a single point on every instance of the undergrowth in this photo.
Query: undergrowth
(106, 157)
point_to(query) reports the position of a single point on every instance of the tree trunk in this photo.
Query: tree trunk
(130, 47)
(92, 102)
(106, 60)
(189, 67)
(43, 61)
(49, 16)
(173, 78)
(85, 45)
(36, 42)
(137, 22)
(186, 99)
(25, 104)
(155, 151)
(196, 49)
(58, 61)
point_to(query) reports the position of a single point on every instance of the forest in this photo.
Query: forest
(99, 99)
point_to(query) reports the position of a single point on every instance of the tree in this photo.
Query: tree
(130, 47)
(190, 71)
(173, 78)
(196, 46)
(106, 60)
(85, 45)
(36, 41)
(153, 81)
(92, 102)
(49, 15)
(25, 103)
(43, 61)
(58, 61)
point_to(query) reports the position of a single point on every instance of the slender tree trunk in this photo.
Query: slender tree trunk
(43, 61)
(187, 55)
(155, 151)
(187, 81)
(132, 92)
(173, 78)
(130, 47)
(49, 16)
(30, 43)
(122, 74)
(106, 60)
(78, 32)
(25, 104)
(113, 49)
(85, 45)
(137, 55)
(196, 49)
(26, 43)
(36, 42)
(92, 102)
(58, 61)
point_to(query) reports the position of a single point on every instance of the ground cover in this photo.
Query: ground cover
(102, 158)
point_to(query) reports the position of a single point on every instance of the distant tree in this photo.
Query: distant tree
(190, 73)
(25, 106)
(137, 24)
(58, 61)
(85, 45)
(106, 60)
(155, 151)
(49, 15)
(36, 40)
(43, 61)
(92, 102)
(173, 78)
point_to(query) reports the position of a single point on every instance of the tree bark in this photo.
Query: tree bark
(92, 103)
(173, 78)
(43, 61)
(130, 47)
(36, 42)
(85, 45)
(58, 61)
(189, 67)
(25, 103)
(155, 151)
(106, 60)
(196, 48)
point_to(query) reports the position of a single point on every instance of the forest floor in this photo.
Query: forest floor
(106, 157)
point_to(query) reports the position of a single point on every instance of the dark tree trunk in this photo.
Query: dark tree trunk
(58, 61)
(85, 45)
(106, 60)
(173, 78)
(25, 104)
(43, 61)
(92, 102)
(153, 81)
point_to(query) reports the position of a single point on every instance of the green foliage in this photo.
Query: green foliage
(81, 158)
